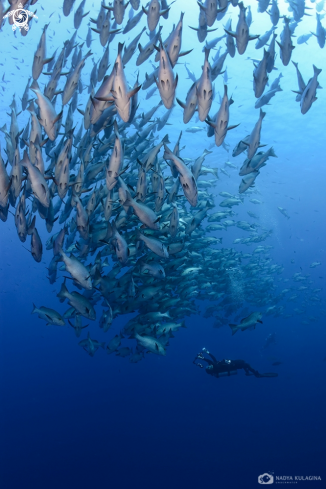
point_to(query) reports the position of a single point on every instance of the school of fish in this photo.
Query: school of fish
(130, 207)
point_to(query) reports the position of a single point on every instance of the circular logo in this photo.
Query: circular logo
(20, 18)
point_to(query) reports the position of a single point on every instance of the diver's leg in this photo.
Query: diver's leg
(247, 368)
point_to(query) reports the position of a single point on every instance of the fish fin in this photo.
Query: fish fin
(259, 321)
(134, 91)
(210, 123)
(162, 12)
(194, 28)
(232, 127)
(233, 328)
(184, 53)
(233, 34)
(176, 80)
(34, 85)
(47, 60)
(59, 116)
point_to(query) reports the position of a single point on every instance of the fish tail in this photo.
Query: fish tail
(316, 70)
(34, 85)
(63, 292)
(31, 107)
(167, 152)
(271, 152)
(34, 309)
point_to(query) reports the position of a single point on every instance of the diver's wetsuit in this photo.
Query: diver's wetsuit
(228, 367)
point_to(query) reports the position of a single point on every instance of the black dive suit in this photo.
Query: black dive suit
(220, 368)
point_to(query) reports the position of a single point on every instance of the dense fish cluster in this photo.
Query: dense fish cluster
(140, 229)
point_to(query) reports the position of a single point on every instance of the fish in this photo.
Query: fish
(138, 230)
(248, 181)
(103, 27)
(187, 180)
(39, 186)
(77, 270)
(78, 326)
(190, 106)
(73, 79)
(49, 315)
(248, 322)
(90, 345)
(265, 99)
(260, 75)
(286, 46)
(304, 38)
(257, 161)
(153, 13)
(40, 56)
(254, 139)
(119, 89)
(320, 31)
(118, 10)
(80, 303)
(48, 117)
(221, 124)
(131, 23)
(79, 14)
(204, 89)
(130, 50)
(151, 344)
(166, 82)
(308, 96)
(284, 212)
(230, 45)
(263, 40)
(202, 29)
(67, 7)
(241, 34)
(274, 13)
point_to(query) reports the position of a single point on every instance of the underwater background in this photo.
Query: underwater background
(72, 420)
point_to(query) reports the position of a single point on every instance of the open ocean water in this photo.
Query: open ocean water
(140, 414)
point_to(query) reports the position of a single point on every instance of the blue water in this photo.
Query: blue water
(69, 420)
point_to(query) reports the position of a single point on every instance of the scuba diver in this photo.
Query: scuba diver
(221, 368)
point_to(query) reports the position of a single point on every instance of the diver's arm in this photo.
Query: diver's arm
(210, 362)
(212, 356)
(201, 357)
